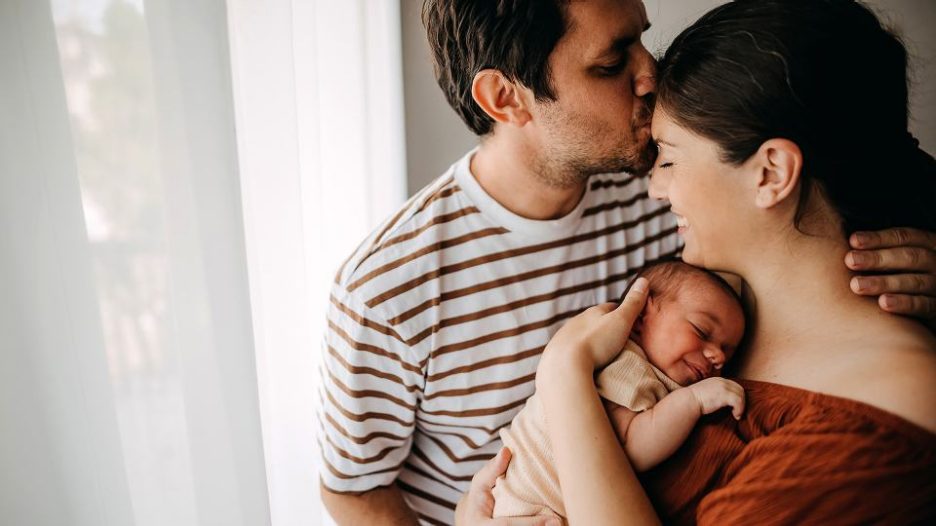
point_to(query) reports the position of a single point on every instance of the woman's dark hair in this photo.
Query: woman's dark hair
(515, 37)
(824, 74)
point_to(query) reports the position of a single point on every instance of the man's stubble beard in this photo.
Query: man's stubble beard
(572, 158)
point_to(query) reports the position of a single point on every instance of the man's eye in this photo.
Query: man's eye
(611, 70)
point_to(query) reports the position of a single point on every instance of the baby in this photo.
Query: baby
(654, 391)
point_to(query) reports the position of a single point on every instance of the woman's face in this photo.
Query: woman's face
(710, 198)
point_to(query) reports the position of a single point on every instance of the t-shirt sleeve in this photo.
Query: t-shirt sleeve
(824, 478)
(370, 382)
(629, 381)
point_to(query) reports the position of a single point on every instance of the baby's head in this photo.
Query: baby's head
(692, 324)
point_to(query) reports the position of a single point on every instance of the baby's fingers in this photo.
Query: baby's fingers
(736, 401)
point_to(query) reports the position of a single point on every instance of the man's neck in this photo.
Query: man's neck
(505, 171)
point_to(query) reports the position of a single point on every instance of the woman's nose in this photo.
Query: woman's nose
(657, 187)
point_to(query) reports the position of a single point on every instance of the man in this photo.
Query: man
(438, 319)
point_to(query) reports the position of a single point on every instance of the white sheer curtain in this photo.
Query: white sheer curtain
(319, 99)
(161, 277)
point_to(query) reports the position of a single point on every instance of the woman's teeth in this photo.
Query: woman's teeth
(681, 222)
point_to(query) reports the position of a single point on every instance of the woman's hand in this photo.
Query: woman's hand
(477, 506)
(908, 257)
(593, 338)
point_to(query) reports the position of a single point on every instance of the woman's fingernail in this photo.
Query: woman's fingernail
(860, 239)
(641, 285)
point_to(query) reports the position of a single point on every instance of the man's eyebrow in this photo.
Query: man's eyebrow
(617, 47)
(620, 44)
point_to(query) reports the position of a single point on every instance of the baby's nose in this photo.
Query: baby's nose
(714, 355)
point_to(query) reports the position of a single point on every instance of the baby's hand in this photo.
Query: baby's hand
(716, 392)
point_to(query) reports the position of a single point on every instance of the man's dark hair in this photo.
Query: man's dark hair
(824, 74)
(514, 37)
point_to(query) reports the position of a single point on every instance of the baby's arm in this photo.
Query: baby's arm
(651, 436)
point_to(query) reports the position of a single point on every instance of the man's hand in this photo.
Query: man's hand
(477, 506)
(907, 259)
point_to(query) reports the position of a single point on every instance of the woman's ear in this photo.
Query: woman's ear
(502, 99)
(779, 163)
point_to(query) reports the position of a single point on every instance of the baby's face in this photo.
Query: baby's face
(693, 332)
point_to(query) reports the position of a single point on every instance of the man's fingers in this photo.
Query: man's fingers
(894, 237)
(916, 306)
(486, 477)
(924, 284)
(911, 259)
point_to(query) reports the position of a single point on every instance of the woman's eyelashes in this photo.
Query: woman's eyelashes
(664, 165)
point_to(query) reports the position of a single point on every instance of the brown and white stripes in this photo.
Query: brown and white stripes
(437, 322)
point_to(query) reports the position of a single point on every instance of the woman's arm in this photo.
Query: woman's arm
(597, 481)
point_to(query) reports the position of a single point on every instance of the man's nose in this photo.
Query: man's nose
(644, 85)
(645, 80)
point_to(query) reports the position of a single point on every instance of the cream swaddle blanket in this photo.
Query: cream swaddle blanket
(531, 484)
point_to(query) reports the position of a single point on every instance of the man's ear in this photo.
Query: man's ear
(501, 98)
(779, 163)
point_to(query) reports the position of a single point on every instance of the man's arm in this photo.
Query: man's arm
(655, 434)
(370, 385)
(383, 505)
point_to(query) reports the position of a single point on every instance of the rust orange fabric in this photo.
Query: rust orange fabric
(799, 457)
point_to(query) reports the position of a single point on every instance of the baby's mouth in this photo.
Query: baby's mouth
(699, 372)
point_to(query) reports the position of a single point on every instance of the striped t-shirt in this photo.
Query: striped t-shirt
(437, 322)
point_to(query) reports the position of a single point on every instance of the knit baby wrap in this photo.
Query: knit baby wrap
(531, 484)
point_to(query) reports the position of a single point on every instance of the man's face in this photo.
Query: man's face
(603, 80)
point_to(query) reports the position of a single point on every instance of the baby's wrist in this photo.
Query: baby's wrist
(697, 399)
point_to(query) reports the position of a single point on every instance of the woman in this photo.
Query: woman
(782, 129)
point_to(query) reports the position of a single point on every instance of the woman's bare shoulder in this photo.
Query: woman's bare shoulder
(900, 379)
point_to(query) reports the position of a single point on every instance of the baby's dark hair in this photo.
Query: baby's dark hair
(663, 285)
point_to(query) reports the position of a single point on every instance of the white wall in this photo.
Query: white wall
(435, 136)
